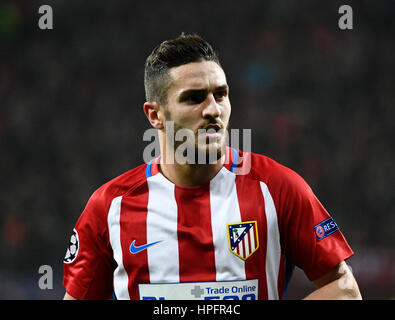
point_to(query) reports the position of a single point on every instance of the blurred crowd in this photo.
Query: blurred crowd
(318, 99)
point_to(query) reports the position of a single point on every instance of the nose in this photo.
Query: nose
(211, 108)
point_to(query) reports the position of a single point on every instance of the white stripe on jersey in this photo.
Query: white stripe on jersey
(225, 209)
(163, 262)
(273, 253)
(121, 279)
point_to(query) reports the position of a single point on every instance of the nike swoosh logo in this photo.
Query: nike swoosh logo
(133, 249)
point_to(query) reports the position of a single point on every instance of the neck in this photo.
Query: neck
(188, 175)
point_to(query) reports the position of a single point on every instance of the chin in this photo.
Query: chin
(209, 153)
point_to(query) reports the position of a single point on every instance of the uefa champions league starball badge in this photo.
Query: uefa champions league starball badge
(72, 249)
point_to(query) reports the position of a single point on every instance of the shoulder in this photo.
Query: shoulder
(272, 173)
(121, 185)
(285, 186)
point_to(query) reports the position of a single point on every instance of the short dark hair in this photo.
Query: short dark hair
(184, 49)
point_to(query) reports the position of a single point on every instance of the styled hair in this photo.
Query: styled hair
(184, 49)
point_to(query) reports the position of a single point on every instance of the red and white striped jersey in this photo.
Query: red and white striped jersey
(142, 237)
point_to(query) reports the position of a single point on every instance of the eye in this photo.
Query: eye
(220, 95)
(195, 97)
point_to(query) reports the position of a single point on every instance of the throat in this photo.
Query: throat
(189, 175)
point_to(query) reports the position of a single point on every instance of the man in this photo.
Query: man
(180, 228)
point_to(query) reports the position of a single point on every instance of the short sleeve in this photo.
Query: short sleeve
(310, 236)
(88, 264)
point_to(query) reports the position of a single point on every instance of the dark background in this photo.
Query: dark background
(318, 99)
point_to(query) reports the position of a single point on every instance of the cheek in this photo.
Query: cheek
(182, 119)
(226, 111)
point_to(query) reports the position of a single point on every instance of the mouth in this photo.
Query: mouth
(213, 127)
(211, 133)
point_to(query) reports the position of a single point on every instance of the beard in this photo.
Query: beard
(210, 145)
(199, 146)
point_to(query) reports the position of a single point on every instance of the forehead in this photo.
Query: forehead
(197, 75)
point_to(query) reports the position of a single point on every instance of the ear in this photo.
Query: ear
(155, 117)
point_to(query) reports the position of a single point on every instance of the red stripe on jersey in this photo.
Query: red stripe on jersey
(133, 228)
(195, 239)
(281, 278)
(255, 265)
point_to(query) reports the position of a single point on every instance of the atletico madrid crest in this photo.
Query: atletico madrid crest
(243, 238)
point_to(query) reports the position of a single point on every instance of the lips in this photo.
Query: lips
(215, 127)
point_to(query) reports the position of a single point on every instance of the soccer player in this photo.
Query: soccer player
(215, 223)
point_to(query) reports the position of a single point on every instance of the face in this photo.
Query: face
(198, 100)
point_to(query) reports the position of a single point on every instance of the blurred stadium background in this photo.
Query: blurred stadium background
(318, 100)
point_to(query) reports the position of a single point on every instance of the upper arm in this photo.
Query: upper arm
(337, 272)
(338, 283)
